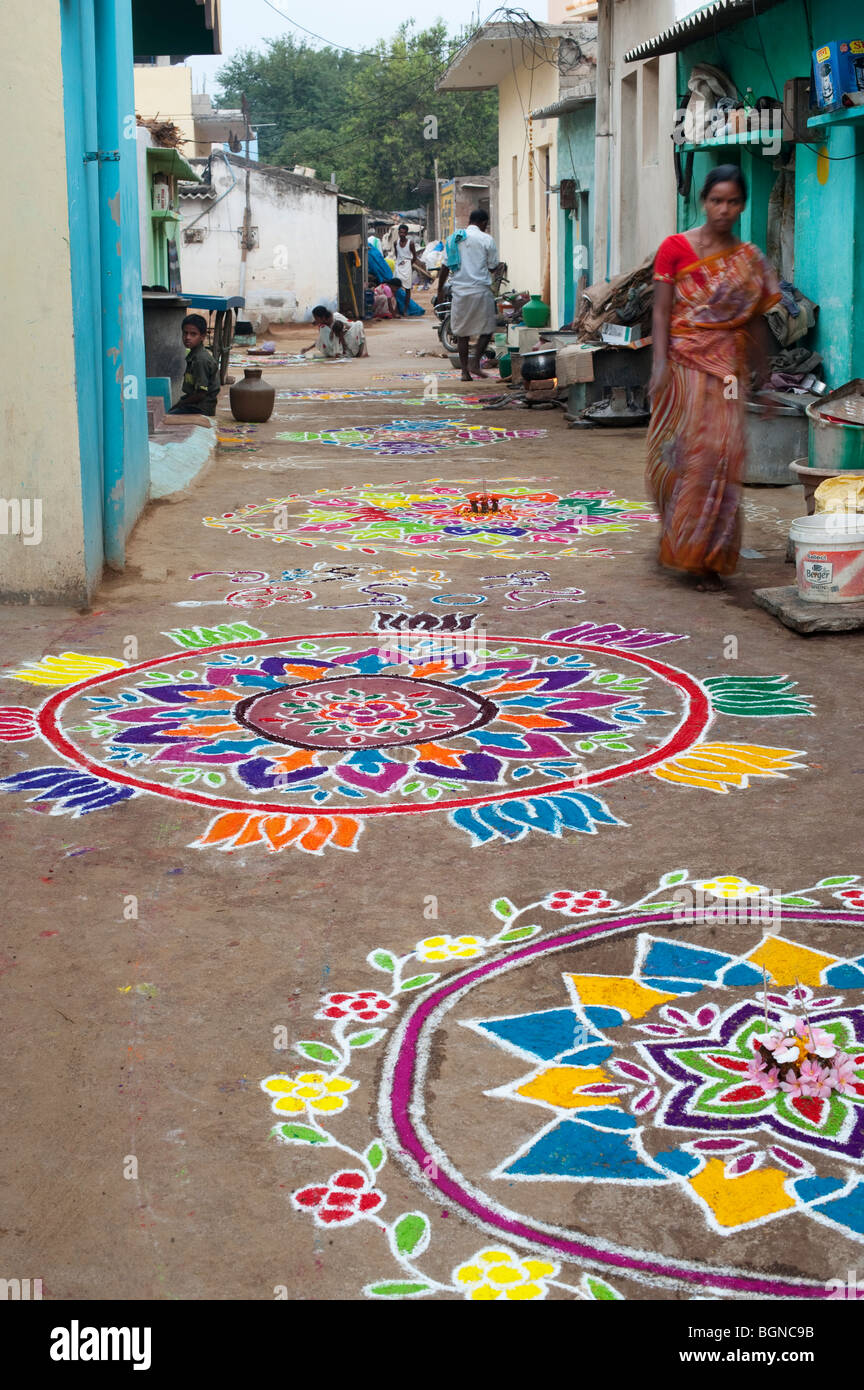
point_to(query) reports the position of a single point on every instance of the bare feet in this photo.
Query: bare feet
(466, 376)
(477, 372)
(710, 584)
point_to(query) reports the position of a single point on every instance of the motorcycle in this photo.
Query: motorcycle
(508, 309)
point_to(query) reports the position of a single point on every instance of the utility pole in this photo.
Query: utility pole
(247, 224)
(437, 203)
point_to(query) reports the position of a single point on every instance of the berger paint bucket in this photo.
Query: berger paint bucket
(829, 557)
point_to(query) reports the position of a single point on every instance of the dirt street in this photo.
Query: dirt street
(469, 832)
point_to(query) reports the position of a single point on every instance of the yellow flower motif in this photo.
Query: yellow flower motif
(310, 1088)
(449, 947)
(501, 1274)
(730, 886)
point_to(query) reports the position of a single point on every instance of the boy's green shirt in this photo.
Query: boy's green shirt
(202, 374)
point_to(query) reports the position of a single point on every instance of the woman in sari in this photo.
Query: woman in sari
(710, 291)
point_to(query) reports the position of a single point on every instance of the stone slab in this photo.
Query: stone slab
(171, 420)
(155, 413)
(806, 617)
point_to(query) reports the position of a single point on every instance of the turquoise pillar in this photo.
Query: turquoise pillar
(102, 185)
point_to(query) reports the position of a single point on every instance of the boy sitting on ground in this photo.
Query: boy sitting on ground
(201, 381)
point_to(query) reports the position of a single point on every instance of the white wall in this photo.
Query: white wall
(166, 92)
(522, 244)
(294, 265)
(641, 207)
(39, 452)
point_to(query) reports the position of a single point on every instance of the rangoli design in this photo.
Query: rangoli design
(651, 1083)
(448, 400)
(441, 519)
(287, 359)
(295, 741)
(410, 436)
(523, 588)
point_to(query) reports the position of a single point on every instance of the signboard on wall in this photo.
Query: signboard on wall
(447, 196)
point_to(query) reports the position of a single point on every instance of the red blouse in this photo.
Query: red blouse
(675, 254)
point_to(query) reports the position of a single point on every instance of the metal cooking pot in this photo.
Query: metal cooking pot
(538, 365)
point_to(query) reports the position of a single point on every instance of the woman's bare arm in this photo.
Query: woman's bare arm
(660, 335)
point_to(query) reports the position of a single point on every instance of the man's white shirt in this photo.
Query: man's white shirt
(479, 255)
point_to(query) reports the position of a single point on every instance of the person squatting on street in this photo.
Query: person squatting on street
(337, 336)
(201, 381)
(710, 292)
(470, 258)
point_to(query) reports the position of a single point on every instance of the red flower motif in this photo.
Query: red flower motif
(574, 904)
(16, 724)
(366, 1005)
(343, 1199)
(854, 896)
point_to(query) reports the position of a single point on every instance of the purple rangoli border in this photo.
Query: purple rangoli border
(399, 1110)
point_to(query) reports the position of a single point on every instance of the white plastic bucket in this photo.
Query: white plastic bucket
(829, 557)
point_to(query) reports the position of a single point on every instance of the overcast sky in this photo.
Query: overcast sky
(247, 23)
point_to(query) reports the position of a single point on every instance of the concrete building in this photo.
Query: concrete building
(634, 202)
(163, 90)
(535, 68)
(75, 449)
(294, 260)
(461, 195)
(810, 164)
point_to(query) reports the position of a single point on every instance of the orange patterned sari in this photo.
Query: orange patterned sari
(696, 439)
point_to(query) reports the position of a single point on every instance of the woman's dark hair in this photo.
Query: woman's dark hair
(724, 173)
(320, 312)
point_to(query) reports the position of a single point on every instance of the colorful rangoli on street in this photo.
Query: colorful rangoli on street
(415, 437)
(448, 400)
(306, 742)
(695, 1060)
(375, 586)
(439, 519)
(287, 359)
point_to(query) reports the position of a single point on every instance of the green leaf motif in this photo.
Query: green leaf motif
(757, 697)
(798, 902)
(841, 882)
(382, 960)
(411, 1234)
(376, 1155)
(418, 981)
(395, 1290)
(302, 1134)
(518, 934)
(676, 876)
(366, 1038)
(504, 909)
(319, 1052)
(600, 1290)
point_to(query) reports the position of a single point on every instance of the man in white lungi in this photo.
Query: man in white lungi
(405, 254)
(470, 257)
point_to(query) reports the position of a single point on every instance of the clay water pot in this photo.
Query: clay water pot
(252, 399)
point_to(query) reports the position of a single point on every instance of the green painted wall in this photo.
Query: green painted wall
(829, 214)
(575, 161)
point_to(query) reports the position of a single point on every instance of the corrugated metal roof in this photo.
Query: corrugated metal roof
(561, 108)
(702, 24)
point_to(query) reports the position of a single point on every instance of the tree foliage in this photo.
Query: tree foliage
(365, 116)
